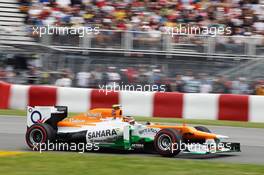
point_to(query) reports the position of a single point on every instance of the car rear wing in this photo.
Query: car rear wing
(46, 114)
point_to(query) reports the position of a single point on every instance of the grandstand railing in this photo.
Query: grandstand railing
(158, 43)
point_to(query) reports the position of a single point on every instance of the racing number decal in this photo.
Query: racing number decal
(36, 117)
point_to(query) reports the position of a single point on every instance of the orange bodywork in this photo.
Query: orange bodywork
(187, 131)
(99, 114)
(90, 118)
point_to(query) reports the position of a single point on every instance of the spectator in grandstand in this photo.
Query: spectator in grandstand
(96, 76)
(33, 75)
(142, 76)
(131, 75)
(92, 81)
(123, 76)
(83, 79)
(65, 80)
(192, 86)
(24, 5)
(2, 74)
(10, 74)
(166, 82)
(240, 86)
(206, 84)
(113, 76)
(188, 76)
(159, 79)
(220, 85)
(45, 78)
(259, 87)
(179, 84)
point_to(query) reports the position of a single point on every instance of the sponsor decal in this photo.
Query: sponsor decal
(101, 133)
(89, 114)
(147, 131)
(137, 146)
(36, 117)
(75, 120)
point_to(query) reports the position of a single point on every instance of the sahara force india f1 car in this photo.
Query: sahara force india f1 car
(108, 128)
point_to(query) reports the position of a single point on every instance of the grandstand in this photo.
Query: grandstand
(12, 26)
(139, 39)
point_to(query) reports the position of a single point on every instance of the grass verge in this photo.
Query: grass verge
(101, 164)
(13, 112)
(166, 120)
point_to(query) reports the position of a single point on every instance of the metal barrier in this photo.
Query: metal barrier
(156, 41)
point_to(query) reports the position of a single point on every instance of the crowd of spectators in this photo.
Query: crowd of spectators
(143, 75)
(245, 17)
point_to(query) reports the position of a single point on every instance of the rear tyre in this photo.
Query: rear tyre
(38, 135)
(167, 142)
(202, 128)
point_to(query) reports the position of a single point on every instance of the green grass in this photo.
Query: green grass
(166, 120)
(13, 112)
(105, 164)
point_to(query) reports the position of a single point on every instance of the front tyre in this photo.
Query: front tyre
(167, 142)
(39, 134)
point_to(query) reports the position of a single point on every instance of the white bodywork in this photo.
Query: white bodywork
(39, 114)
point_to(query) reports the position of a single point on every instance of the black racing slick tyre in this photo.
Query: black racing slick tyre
(202, 128)
(167, 142)
(39, 134)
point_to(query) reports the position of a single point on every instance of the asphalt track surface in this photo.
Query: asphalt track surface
(12, 134)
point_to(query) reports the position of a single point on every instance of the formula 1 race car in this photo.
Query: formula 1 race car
(108, 128)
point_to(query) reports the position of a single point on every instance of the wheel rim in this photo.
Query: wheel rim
(36, 136)
(164, 142)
